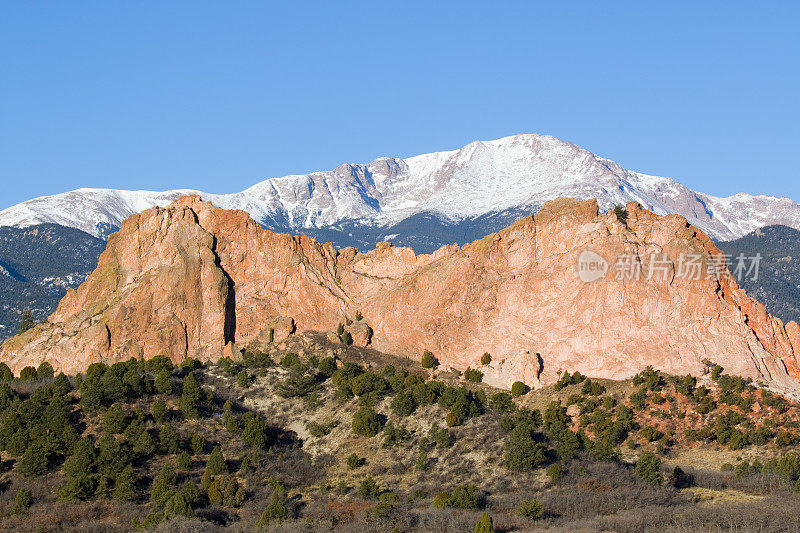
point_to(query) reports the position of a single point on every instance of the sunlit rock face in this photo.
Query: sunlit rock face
(186, 280)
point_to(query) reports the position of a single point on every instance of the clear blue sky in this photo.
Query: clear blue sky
(219, 95)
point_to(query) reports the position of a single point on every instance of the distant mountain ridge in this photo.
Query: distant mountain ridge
(37, 266)
(431, 199)
(777, 285)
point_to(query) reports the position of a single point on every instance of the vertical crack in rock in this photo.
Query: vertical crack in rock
(540, 369)
(229, 329)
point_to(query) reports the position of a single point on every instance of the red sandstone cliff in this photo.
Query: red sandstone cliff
(185, 280)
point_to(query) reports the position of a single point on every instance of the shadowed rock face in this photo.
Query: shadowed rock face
(187, 279)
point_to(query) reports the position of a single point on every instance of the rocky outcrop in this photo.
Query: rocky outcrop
(233, 352)
(360, 332)
(157, 290)
(188, 279)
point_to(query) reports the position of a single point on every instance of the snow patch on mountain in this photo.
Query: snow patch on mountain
(520, 173)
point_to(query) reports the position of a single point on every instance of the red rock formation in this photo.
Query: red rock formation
(188, 279)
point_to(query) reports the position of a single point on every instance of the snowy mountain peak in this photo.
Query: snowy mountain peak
(513, 174)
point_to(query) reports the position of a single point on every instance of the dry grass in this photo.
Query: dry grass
(323, 489)
(708, 496)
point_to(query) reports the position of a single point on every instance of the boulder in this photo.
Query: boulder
(360, 332)
(277, 330)
(233, 352)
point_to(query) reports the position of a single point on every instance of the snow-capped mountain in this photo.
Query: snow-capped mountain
(479, 187)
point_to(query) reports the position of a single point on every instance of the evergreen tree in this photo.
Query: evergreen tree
(465, 497)
(134, 382)
(198, 443)
(423, 395)
(22, 502)
(5, 373)
(648, 467)
(159, 410)
(422, 456)
(184, 461)
(207, 479)
(113, 388)
(91, 393)
(161, 491)
(522, 451)
(112, 456)
(227, 489)
(45, 371)
(103, 486)
(368, 489)
(555, 472)
(256, 431)
(191, 396)
(144, 446)
(366, 422)
(114, 419)
(28, 321)
(484, 524)
(18, 442)
(216, 462)
(231, 423)
(403, 404)
(134, 430)
(473, 375)
(7, 397)
(61, 385)
(621, 214)
(177, 506)
(428, 360)
(81, 460)
(158, 364)
(81, 482)
(163, 382)
(276, 510)
(214, 494)
(190, 493)
(79, 488)
(242, 379)
(386, 504)
(169, 439)
(34, 461)
(354, 461)
(519, 388)
(56, 419)
(28, 374)
(125, 485)
(530, 508)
